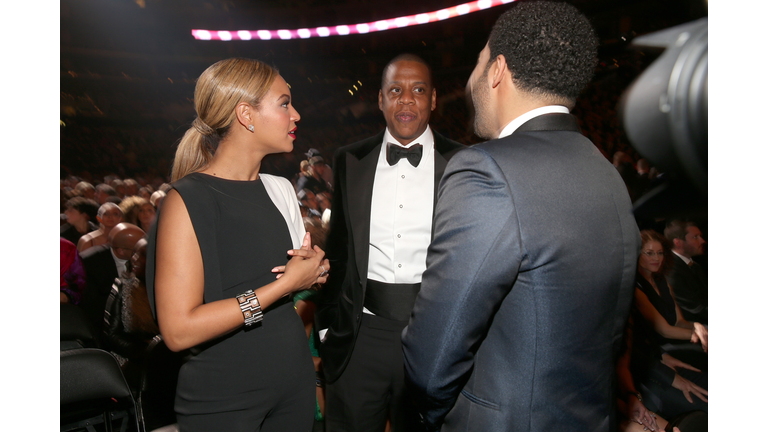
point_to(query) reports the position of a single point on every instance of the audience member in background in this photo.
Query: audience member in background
(138, 211)
(128, 322)
(623, 164)
(643, 176)
(145, 192)
(131, 187)
(309, 199)
(305, 175)
(104, 191)
(324, 206)
(653, 295)
(657, 319)
(103, 264)
(157, 199)
(165, 187)
(688, 278)
(80, 213)
(325, 171)
(320, 170)
(85, 190)
(119, 187)
(108, 215)
(71, 273)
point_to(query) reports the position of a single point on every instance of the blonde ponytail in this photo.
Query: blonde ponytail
(218, 91)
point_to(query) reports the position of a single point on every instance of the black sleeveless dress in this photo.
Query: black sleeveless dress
(265, 370)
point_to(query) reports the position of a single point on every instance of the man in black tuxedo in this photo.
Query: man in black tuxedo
(687, 278)
(380, 228)
(530, 275)
(102, 265)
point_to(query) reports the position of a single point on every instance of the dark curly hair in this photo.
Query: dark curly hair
(549, 47)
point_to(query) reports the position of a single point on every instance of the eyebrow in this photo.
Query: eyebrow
(399, 82)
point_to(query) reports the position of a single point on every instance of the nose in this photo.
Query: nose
(406, 98)
(295, 117)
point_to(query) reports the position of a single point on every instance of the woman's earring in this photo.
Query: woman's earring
(250, 128)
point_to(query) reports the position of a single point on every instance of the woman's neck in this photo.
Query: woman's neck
(232, 163)
(648, 275)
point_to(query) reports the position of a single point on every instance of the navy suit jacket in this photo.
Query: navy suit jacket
(341, 305)
(528, 286)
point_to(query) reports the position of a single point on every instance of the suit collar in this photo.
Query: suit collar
(550, 122)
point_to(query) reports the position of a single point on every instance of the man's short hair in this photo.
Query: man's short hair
(550, 48)
(83, 186)
(84, 205)
(406, 57)
(107, 189)
(677, 229)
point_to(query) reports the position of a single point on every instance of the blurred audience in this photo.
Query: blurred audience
(80, 213)
(71, 273)
(108, 215)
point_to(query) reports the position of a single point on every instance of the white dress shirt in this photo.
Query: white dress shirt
(401, 214)
(516, 123)
(119, 263)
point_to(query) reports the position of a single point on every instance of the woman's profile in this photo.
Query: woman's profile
(223, 234)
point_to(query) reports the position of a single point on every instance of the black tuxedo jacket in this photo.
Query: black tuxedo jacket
(100, 274)
(689, 284)
(529, 280)
(341, 306)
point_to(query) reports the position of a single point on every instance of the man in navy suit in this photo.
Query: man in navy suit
(530, 275)
(381, 225)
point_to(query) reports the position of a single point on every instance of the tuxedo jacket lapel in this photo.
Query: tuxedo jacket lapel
(361, 168)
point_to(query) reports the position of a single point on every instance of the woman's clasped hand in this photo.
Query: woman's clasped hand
(308, 263)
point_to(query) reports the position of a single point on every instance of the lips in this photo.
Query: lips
(405, 117)
(292, 133)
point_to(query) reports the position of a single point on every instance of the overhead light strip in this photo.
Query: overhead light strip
(349, 29)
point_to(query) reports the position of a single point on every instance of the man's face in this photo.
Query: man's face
(694, 242)
(100, 197)
(478, 87)
(407, 99)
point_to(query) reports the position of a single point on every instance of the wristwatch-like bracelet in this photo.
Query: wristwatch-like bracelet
(249, 305)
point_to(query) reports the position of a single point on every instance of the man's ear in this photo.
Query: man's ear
(381, 108)
(497, 71)
(434, 99)
(677, 243)
(245, 114)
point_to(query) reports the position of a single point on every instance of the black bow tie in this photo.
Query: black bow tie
(396, 152)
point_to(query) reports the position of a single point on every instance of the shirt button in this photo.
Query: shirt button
(399, 265)
(401, 206)
(402, 176)
(398, 236)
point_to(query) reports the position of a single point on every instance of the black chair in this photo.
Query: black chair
(157, 390)
(75, 328)
(93, 391)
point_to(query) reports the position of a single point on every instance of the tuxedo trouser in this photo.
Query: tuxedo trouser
(372, 386)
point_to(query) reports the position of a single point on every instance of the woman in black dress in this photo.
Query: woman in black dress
(227, 250)
(670, 386)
